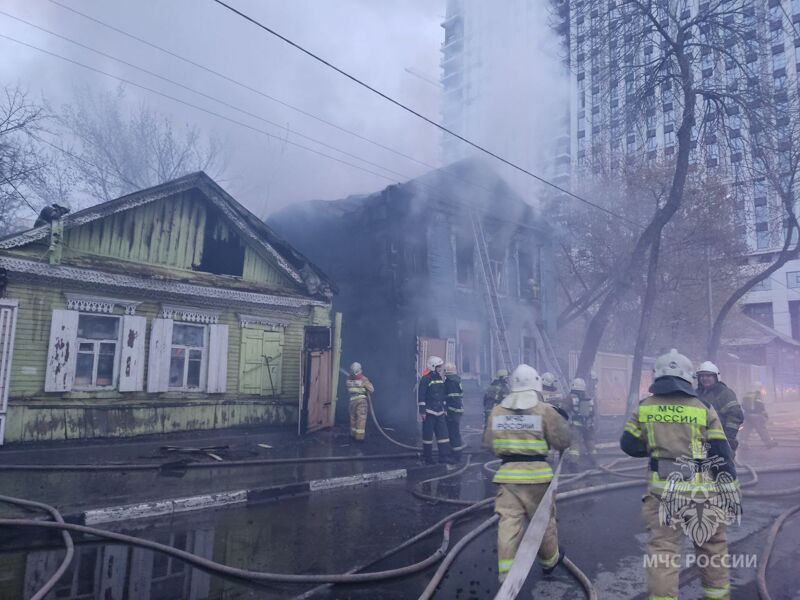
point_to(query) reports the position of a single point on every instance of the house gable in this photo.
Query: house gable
(190, 225)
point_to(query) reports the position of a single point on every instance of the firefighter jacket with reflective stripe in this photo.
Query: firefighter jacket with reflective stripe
(675, 427)
(724, 401)
(431, 397)
(495, 393)
(753, 404)
(528, 434)
(455, 394)
(358, 386)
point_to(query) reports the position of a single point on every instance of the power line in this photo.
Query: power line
(21, 195)
(419, 115)
(264, 95)
(215, 99)
(242, 85)
(191, 105)
(198, 92)
(237, 122)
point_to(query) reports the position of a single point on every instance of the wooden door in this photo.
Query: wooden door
(318, 386)
(427, 347)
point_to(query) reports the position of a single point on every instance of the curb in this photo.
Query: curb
(159, 508)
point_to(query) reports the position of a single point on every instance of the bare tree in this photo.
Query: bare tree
(119, 150)
(668, 55)
(20, 119)
(773, 162)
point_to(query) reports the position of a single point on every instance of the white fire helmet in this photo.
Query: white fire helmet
(449, 369)
(525, 379)
(675, 364)
(578, 385)
(708, 367)
(355, 368)
(501, 373)
(434, 361)
(548, 379)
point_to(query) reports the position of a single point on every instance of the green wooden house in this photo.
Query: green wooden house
(169, 309)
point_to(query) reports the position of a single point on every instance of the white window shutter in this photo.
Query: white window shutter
(62, 352)
(131, 356)
(160, 351)
(217, 359)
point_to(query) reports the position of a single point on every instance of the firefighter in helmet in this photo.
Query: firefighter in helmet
(522, 430)
(713, 392)
(358, 387)
(432, 403)
(549, 389)
(756, 416)
(455, 408)
(494, 394)
(582, 417)
(691, 463)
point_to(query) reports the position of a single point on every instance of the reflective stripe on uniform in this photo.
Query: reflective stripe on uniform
(516, 473)
(672, 413)
(435, 381)
(504, 565)
(519, 444)
(550, 562)
(697, 485)
(715, 434)
(663, 598)
(457, 410)
(434, 413)
(455, 395)
(356, 430)
(716, 592)
(633, 429)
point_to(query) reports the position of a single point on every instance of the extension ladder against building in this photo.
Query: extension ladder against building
(550, 359)
(493, 307)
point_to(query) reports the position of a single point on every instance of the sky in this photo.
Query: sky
(274, 153)
(379, 41)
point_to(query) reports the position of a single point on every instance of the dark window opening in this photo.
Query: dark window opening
(761, 312)
(528, 276)
(465, 261)
(794, 315)
(223, 251)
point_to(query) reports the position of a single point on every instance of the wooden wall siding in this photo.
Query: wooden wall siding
(34, 414)
(29, 423)
(168, 232)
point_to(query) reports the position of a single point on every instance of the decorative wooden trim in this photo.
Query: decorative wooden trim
(190, 314)
(87, 276)
(269, 323)
(85, 303)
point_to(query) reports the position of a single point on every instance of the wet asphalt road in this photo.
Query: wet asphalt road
(333, 531)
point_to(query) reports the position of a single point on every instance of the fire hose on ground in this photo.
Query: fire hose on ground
(351, 577)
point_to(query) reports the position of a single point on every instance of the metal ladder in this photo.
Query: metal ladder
(490, 292)
(550, 358)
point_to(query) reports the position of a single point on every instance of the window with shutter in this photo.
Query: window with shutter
(62, 351)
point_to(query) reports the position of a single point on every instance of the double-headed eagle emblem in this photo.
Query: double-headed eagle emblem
(700, 508)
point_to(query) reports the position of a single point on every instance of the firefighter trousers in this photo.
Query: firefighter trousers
(759, 424)
(359, 408)
(515, 504)
(663, 558)
(435, 425)
(454, 430)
